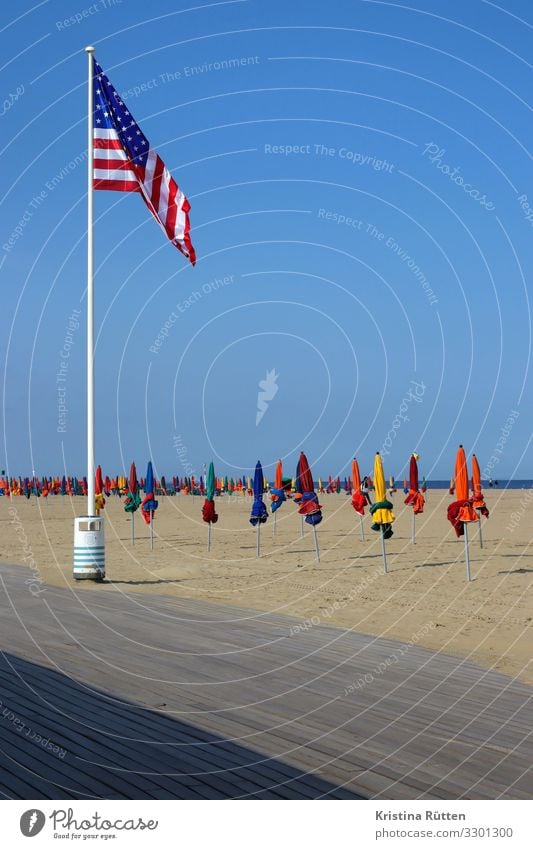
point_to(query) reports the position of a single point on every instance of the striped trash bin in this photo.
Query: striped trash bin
(89, 548)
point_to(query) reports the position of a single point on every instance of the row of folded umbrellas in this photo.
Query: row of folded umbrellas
(468, 506)
(188, 485)
(300, 488)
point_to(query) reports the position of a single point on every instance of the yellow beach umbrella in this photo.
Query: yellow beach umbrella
(381, 510)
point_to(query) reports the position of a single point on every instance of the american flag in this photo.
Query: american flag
(124, 161)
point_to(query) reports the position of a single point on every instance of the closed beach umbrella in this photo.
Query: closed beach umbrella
(149, 505)
(133, 500)
(358, 499)
(309, 506)
(259, 513)
(478, 501)
(208, 510)
(297, 490)
(381, 510)
(461, 511)
(99, 500)
(414, 497)
(277, 494)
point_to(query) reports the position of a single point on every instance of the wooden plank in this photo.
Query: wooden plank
(240, 707)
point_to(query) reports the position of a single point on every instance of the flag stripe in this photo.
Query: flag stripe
(172, 210)
(108, 144)
(115, 174)
(115, 185)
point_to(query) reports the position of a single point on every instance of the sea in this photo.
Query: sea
(501, 484)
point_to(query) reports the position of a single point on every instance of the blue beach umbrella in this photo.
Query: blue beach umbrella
(259, 513)
(149, 504)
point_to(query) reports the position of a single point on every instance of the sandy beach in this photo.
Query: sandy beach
(424, 599)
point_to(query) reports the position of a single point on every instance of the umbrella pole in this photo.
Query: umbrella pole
(209, 536)
(274, 526)
(480, 530)
(467, 553)
(151, 529)
(317, 550)
(413, 530)
(133, 528)
(362, 528)
(384, 553)
(259, 539)
(301, 526)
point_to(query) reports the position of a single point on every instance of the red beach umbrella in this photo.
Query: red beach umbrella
(308, 505)
(99, 500)
(414, 497)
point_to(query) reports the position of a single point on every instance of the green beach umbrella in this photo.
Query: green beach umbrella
(208, 510)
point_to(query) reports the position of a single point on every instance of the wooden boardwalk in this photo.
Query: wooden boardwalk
(113, 695)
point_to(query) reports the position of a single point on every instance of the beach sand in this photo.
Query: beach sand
(424, 599)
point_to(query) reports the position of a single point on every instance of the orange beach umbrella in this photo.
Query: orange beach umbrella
(478, 501)
(358, 499)
(461, 511)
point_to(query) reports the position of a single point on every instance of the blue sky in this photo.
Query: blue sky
(360, 186)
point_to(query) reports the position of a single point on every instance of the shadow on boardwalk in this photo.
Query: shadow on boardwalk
(61, 739)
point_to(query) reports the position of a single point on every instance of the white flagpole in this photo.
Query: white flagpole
(89, 545)
(90, 290)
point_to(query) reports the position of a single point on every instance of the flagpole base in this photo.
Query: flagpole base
(89, 549)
